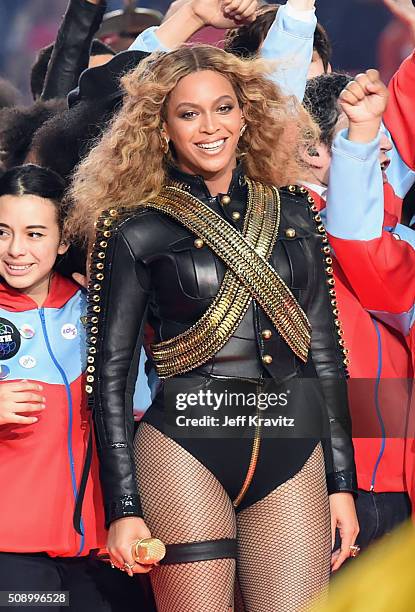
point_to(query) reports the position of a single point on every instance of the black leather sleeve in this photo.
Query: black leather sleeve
(328, 360)
(119, 295)
(71, 51)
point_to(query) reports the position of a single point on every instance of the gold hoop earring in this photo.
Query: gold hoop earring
(165, 144)
(243, 130)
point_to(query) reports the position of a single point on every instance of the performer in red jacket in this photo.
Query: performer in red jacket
(377, 262)
(379, 359)
(44, 421)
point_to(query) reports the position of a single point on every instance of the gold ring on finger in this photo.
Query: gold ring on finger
(127, 566)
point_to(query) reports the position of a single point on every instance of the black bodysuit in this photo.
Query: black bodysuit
(156, 279)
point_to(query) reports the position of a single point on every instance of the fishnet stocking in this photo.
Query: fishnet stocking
(283, 539)
(284, 543)
(184, 502)
(238, 604)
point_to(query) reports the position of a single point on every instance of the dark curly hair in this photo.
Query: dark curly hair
(17, 127)
(63, 141)
(246, 40)
(321, 100)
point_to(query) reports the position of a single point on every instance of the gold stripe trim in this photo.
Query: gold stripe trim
(248, 264)
(200, 342)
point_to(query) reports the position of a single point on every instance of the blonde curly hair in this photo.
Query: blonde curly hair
(127, 167)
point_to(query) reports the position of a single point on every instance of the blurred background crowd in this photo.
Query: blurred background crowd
(363, 32)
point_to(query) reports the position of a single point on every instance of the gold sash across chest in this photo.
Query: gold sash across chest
(249, 276)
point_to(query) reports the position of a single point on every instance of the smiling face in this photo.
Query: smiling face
(30, 241)
(203, 122)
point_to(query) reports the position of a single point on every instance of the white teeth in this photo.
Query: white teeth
(211, 145)
(19, 267)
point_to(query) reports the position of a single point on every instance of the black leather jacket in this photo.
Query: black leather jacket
(70, 55)
(154, 273)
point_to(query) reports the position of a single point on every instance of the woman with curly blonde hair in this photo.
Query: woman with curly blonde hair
(198, 244)
(129, 165)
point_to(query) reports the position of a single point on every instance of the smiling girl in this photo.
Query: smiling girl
(44, 424)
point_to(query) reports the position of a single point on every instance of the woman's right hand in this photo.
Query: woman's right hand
(121, 535)
(20, 397)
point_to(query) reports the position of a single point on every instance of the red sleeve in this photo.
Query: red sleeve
(381, 271)
(400, 114)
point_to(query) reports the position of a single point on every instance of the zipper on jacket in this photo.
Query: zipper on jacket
(377, 406)
(70, 419)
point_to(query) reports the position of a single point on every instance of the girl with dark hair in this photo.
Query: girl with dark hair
(44, 425)
(36, 181)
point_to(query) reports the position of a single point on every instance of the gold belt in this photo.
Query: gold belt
(249, 275)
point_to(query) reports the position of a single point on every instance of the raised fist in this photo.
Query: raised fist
(365, 99)
(225, 13)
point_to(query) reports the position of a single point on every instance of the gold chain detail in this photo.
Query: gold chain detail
(200, 342)
(249, 274)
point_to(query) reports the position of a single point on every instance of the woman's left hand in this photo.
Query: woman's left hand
(343, 516)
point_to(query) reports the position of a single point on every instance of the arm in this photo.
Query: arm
(355, 213)
(401, 109)
(355, 217)
(399, 120)
(383, 278)
(122, 305)
(70, 55)
(118, 296)
(328, 359)
(290, 41)
(190, 17)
